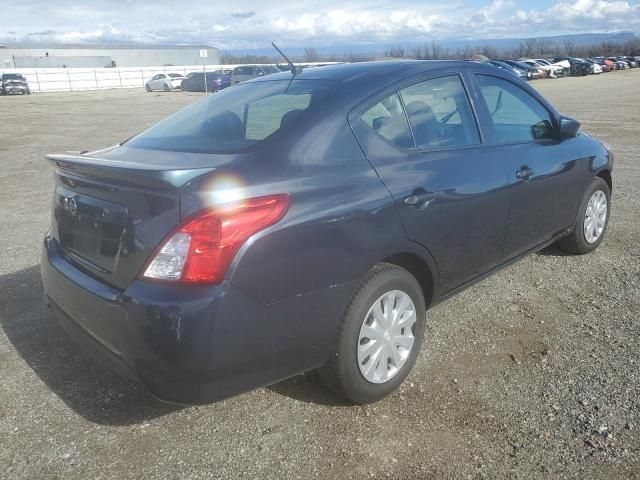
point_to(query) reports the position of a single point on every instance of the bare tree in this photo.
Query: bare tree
(569, 48)
(488, 51)
(417, 53)
(530, 47)
(436, 50)
(396, 52)
(467, 52)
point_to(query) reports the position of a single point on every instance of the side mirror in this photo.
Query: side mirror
(568, 127)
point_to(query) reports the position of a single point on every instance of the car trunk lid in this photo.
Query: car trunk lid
(110, 212)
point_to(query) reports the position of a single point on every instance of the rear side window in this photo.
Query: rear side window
(387, 119)
(440, 114)
(516, 115)
(237, 117)
(267, 115)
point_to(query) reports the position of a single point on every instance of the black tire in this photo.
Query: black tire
(166, 88)
(576, 242)
(148, 88)
(341, 373)
(28, 92)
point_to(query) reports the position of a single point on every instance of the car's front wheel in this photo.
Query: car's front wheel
(148, 88)
(592, 222)
(379, 336)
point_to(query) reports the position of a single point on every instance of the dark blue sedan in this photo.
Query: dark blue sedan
(215, 81)
(309, 221)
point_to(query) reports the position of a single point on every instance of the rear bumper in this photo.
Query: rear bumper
(191, 345)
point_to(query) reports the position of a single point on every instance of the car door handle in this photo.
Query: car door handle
(419, 199)
(524, 173)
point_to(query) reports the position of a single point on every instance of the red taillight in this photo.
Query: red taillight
(201, 249)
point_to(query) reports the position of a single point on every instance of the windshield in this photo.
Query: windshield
(236, 118)
(12, 76)
(271, 70)
(174, 75)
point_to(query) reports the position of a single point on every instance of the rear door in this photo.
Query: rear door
(449, 188)
(544, 175)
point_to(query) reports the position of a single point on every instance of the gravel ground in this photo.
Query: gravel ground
(532, 373)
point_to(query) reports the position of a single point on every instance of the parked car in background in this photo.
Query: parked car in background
(518, 72)
(531, 72)
(606, 67)
(308, 221)
(165, 82)
(578, 67)
(631, 61)
(558, 69)
(14, 83)
(619, 64)
(215, 81)
(247, 72)
(549, 70)
(594, 67)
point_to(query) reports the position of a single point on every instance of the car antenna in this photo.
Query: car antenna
(295, 70)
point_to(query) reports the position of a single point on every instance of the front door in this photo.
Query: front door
(449, 188)
(544, 172)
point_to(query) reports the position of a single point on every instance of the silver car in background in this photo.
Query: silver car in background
(247, 72)
(165, 82)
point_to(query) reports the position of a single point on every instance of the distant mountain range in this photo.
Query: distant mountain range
(452, 44)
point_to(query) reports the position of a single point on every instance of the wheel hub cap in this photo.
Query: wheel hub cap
(386, 337)
(595, 216)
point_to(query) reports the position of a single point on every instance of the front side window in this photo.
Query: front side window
(236, 118)
(388, 120)
(440, 114)
(516, 115)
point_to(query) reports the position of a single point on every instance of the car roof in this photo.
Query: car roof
(348, 72)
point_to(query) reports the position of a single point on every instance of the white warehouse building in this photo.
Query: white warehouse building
(104, 56)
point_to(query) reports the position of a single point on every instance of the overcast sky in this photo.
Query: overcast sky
(253, 24)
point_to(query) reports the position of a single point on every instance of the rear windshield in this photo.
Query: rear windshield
(175, 75)
(238, 117)
(12, 76)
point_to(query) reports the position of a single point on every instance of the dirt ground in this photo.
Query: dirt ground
(532, 373)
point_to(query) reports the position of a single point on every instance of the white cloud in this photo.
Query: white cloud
(314, 22)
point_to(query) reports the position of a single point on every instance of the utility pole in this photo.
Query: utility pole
(203, 55)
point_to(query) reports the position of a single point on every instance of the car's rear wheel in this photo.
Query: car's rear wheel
(147, 88)
(166, 88)
(379, 336)
(593, 219)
